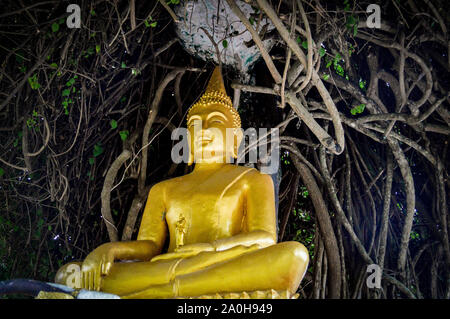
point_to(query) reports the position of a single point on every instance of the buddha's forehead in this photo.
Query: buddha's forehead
(207, 111)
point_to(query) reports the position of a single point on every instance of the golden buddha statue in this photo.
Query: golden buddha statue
(220, 220)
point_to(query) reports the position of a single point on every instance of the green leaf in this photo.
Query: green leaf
(113, 124)
(55, 27)
(153, 24)
(124, 135)
(347, 5)
(2, 172)
(329, 64)
(362, 84)
(70, 82)
(97, 48)
(123, 65)
(321, 52)
(339, 69)
(66, 92)
(34, 82)
(336, 59)
(225, 43)
(326, 76)
(54, 65)
(351, 21)
(91, 160)
(92, 12)
(305, 44)
(251, 20)
(358, 109)
(98, 149)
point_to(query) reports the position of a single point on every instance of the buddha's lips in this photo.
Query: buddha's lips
(204, 140)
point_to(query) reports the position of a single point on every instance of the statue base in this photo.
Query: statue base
(258, 294)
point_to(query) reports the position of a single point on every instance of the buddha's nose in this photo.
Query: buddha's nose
(204, 134)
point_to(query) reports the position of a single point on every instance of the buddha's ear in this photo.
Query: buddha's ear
(238, 134)
(190, 148)
(191, 157)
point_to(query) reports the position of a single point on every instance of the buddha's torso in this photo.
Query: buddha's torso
(206, 206)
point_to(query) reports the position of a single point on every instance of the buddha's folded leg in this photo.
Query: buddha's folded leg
(279, 267)
(125, 278)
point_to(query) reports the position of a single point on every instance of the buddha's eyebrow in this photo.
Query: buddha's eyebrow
(193, 118)
(220, 114)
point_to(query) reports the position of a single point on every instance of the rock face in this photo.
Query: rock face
(235, 43)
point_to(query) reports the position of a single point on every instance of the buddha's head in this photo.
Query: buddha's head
(214, 126)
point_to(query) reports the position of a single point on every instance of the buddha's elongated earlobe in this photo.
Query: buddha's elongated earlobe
(237, 141)
(191, 157)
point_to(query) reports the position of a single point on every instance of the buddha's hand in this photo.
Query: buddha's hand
(96, 264)
(186, 251)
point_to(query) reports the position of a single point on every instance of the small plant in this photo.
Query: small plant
(32, 122)
(124, 135)
(34, 83)
(150, 23)
(358, 109)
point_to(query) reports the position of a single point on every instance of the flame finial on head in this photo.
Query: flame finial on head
(216, 94)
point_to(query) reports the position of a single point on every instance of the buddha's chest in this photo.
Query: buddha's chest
(204, 212)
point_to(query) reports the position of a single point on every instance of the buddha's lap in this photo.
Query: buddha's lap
(285, 255)
(278, 259)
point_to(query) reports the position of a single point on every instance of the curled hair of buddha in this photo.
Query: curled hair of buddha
(215, 94)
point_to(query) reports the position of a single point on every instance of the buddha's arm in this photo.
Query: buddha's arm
(152, 233)
(260, 220)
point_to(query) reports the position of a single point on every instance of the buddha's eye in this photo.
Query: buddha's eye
(194, 123)
(216, 121)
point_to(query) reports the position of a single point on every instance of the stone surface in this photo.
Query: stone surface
(71, 293)
(227, 30)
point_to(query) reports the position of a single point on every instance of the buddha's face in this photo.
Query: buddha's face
(212, 138)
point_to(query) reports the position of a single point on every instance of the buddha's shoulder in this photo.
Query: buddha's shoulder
(248, 175)
(252, 175)
(167, 184)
